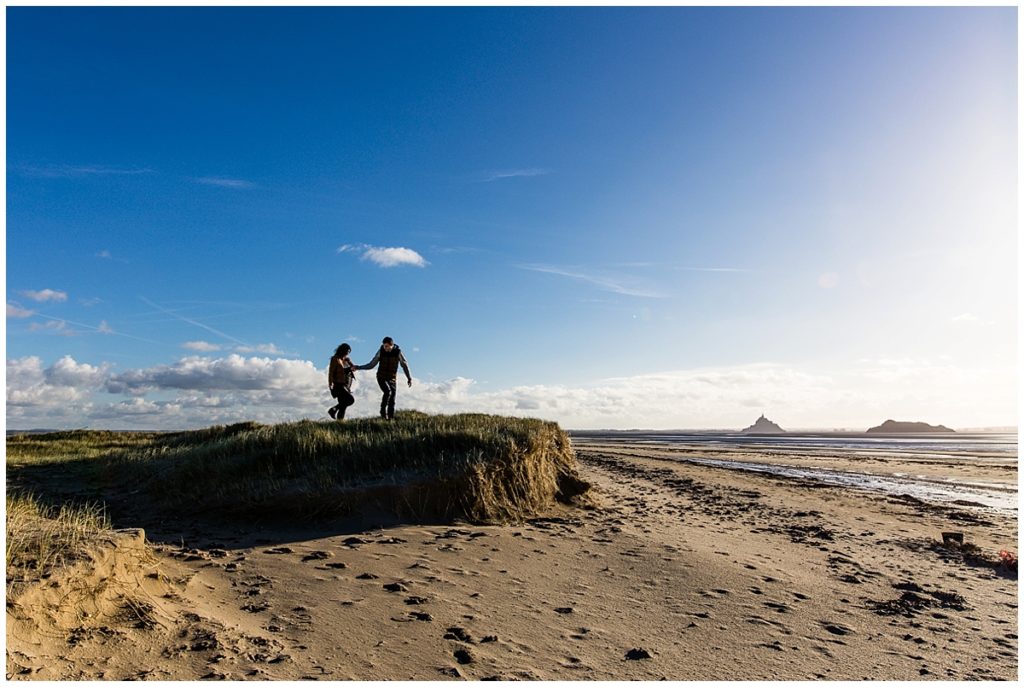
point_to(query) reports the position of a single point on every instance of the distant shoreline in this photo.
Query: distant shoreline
(809, 433)
(804, 433)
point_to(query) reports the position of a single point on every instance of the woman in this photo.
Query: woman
(340, 374)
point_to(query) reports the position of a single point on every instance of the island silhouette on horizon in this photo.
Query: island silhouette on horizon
(894, 427)
(763, 426)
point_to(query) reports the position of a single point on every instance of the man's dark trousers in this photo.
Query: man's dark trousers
(387, 401)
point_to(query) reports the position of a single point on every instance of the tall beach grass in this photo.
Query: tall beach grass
(483, 468)
(42, 538)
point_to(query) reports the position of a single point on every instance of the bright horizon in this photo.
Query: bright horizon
(657, 218)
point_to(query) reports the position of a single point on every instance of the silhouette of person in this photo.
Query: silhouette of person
(340, 374)
(389, 357)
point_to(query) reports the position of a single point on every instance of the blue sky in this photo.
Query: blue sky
(675, 217)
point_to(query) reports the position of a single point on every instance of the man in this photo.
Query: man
(389, 357)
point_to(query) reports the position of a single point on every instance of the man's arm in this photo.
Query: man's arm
(370, 365)
(405, 366)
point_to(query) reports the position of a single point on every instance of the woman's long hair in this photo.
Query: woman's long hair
(341, 351)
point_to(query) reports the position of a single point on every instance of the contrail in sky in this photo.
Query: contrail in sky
(191, 321)
(97, 329)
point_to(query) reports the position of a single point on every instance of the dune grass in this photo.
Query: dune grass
(483, 468)
(41, 538)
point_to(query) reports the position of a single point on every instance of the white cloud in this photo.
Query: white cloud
(34, 390)
(134, 409)
(105, 254)
(858, 396)
(198, 391)
(393, 257)
(45, 295)
(231, 373)
(386, 257)
(204, 346)
(207, 347)
(16, 311)
(24, 372)
(67, 372)
(970, 319)
(225, 183)
(56, 326)
(266, 348)
(104, 328)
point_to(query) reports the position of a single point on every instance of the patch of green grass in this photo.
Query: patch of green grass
(479, 467)
(59, 447)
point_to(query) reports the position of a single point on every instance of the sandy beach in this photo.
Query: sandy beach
(678, 571)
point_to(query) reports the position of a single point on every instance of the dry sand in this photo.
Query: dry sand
(683, 572)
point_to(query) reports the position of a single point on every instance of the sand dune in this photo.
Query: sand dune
(679, 572)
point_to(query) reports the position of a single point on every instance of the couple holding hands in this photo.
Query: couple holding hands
(341, 372)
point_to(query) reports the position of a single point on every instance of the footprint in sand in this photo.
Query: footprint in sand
(256, 607)
(213, 675)
(354, 542)
(279, 550)
(317, 556)
(777, 607)
(459, 634)
(836, 628)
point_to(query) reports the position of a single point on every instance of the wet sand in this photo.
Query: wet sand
(682, 571)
